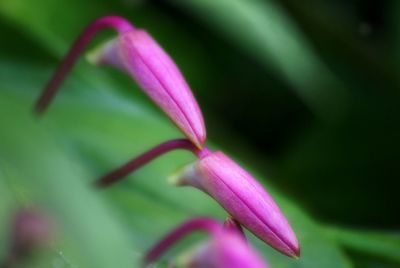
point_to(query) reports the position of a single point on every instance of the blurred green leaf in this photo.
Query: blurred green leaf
(381, 244)
(265, 31)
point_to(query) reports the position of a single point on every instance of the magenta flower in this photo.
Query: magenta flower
(137, 53)
(243, 198)
(231, 186)
(224, 249)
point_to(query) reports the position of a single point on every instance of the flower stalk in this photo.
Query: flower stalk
(141, 160)
(198, 224)
(120, 25)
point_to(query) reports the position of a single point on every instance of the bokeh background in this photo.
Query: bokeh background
(305, 94)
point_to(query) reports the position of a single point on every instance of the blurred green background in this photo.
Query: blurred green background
(305, 94)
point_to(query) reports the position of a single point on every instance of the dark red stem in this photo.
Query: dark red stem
(208, 225)
(145, 158)
(114, 22)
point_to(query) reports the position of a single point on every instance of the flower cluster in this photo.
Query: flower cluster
(136, 53)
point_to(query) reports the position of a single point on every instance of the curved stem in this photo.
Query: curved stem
(208, 225)
(114, 22)
(145, 158)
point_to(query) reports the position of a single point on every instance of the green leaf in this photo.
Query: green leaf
(380, 244)
(57, 157)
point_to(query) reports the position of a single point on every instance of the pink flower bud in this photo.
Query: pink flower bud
(225, 248)
(138, 54)
(243, 198)
(135, 52)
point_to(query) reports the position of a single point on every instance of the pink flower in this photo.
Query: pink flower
(138, 54)
(224, 249)
(242, 197)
